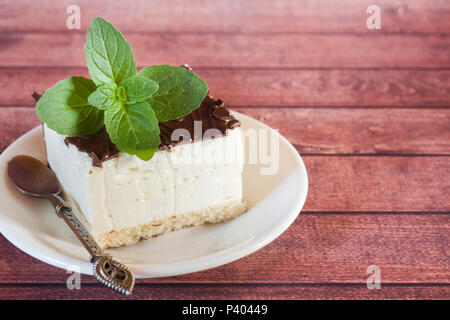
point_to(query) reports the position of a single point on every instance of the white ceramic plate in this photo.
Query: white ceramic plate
(274, 202)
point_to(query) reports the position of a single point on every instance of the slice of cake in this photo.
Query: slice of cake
(123, 199)
(140, 153)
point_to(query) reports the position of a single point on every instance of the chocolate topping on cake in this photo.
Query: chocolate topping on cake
(97, 145)
(212, 113)
(36, 96)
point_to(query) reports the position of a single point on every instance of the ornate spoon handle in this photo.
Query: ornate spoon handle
(109, 272)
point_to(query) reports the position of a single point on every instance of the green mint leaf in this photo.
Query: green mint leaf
(122, 94)
(109, 57)
(180, 91)
(104, 97)
(65, 108)
(138, 89)
(146, 154)
(133, 128)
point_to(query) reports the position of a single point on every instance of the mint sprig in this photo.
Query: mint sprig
(127, 103)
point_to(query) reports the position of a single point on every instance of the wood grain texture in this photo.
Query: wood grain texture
(369, 110)
(317, 248)
(318, 131)
(230, 292)
(234, 15)
(14, 122)
(66, 48)
(275, 87)
(360, 131)
(378, 183)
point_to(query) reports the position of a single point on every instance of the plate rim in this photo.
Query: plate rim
(177, 268)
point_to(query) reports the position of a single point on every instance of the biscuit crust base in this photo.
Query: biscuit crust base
(214, 214)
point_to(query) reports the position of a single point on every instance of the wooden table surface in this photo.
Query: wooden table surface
(368, 110)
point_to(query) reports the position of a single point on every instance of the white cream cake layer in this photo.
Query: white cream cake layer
(128, 192)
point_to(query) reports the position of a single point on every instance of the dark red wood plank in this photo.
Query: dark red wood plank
(14, 122)
(378, 183)
(360, 131)
(234, 15)
(318, 131)
(285, 50)
(317, 248)
(230, 292)
(275, 87)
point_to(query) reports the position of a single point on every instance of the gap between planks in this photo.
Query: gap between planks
(237, 284)
(380, 33)
(8, 105)
(248, 68)
(244, 291)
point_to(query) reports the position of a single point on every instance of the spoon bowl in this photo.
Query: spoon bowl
(32, 177)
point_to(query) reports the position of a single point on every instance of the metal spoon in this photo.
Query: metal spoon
(33, 178)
